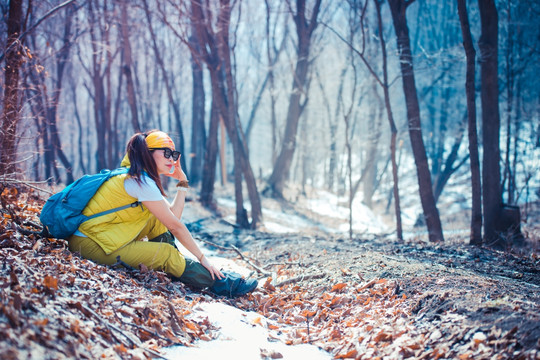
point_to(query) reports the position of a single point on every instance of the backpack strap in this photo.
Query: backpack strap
(132, 205)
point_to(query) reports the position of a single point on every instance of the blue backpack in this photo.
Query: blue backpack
(62, 213)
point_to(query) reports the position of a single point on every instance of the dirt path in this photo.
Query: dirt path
(455, 301)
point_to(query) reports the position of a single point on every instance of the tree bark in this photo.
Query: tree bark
(62, 59)
(210, 158)
(491, 174)
(198, 132)
(476, 187)
(168, 87)
(393, 128)
(11, 110)
(398, 9)
(304, 30)
(215, 51)
(127, 68)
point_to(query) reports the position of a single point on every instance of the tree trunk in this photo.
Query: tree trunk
(491, 175)
(215, 51)
(11, 110)
(304, 31)
(398, 9)
(168, 87)
(210, 158)
(198, 140)
(98, 96)
(476, 186)
(127, 68)
(52, 112)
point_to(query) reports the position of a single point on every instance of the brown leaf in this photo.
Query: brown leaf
(338, 287)
(50, 282)
(268, 285)
(349, 355)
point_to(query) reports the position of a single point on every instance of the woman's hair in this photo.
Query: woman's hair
(141, 160)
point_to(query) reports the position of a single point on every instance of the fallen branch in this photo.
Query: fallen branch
(111, 326)
(288, 263)
(134, 341)
(142, 328)
(235, 249)
(265, 273)
(369, 284)
(27, 183)
(213, 244)
(300, 278)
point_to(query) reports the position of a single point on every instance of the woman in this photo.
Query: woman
(121, 234)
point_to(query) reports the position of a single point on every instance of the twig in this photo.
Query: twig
(111, 326)
(175, 321)
(235, 249)
(213, 244)
(250, 263)
(282, 263)
(31, 28)
(369, 284)
(300, 278)
(153, 333)
(27, 183)
(135, 341)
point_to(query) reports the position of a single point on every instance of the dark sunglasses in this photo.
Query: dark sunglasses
(168, 153)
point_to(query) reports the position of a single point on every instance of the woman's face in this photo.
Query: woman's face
(163, 164)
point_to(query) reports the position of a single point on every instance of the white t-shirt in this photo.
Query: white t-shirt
(147, 190)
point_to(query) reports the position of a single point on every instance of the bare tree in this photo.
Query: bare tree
(127, 66)
(12, 107)
(173, 103)
(359, 10)
(476, 188)
(431, 214)
(499, 220)
(48, 103)
(216, 53)
(198, 132)
(304, 29)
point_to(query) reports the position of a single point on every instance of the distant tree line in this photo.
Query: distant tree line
(277, 95)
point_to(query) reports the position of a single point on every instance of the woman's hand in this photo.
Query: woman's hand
(213, 271)
(178, 173)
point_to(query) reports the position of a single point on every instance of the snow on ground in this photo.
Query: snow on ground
(324, 204)
(242, 336)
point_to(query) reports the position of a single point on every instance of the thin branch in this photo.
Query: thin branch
(27, 183)
(371, 70)
(31, 28)
(265, 273)
(235, 249)
(300, 278)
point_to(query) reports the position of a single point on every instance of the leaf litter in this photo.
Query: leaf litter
(360, 299)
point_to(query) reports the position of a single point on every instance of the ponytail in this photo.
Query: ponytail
(141, 160)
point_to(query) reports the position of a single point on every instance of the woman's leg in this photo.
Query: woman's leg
(155, 255)
(196, 275)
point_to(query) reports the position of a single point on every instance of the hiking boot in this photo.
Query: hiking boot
(233, 285)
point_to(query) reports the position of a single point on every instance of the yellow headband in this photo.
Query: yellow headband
(159, 139)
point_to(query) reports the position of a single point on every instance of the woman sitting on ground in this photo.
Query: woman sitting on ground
(120, 234)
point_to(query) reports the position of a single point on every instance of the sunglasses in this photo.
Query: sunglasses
(168, 153)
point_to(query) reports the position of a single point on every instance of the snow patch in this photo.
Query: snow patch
(241, 336)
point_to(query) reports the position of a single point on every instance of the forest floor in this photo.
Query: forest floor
(366, 297)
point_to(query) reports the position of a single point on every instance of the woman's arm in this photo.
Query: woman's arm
(161, 210)
(177, 206)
